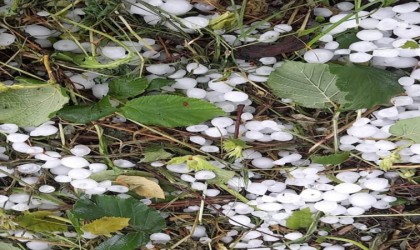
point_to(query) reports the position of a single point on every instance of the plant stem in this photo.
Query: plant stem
(335, 130)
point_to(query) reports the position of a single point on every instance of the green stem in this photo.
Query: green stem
(335, 130)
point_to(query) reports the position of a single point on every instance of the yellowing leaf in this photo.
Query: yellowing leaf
(40, 221)
(142, 186)
(106, 225)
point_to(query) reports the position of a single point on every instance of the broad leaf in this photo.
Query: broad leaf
(155, 154)
(300, 219)
(158, 83)
(142, 217)
(407, 129)
(365, 86)
(142, 186)
(6, 246)
(127, 86)
(129, 241)
(170, 110)
(40, 222)
(106, 225)
(334, 159)
(87, 113)
(308, 84)
(30, 105)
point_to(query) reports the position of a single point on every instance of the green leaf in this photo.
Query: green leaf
(410, 45)
(300, 219)
(87, 113)
(308, 84)
(6, 246)
(333, 159)
(170, 111)
(106, 225)
(128, 241)
(40, 222)
(127, 86)
(158, 83)
(142, 218)
(31, 105)
(407, 129)
(345, 39)
(365, 86)
(155, 154)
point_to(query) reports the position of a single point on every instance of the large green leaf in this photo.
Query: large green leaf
(407, 129)
(87, 113)
(365, 86)
(129, 241)
(308, 84)
(170, 110)
(30, 105)
(40, 221)
(127, 86)
(6, 246)
(142, 218)
(300, 219)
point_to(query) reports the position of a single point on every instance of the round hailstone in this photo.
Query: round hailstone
(376, 184)
(240, 220)
(178, 168)
(268, 60)
(263, 163)
(282, 28)
(36, 245)
(406, 8)
(406, 81)
(333, 45)
(318, 56)
(8, 128)
(216, 132)
(219, 86)
(311, 195)
(97, 167)
(348, 139)
(187, 178)
(46, 189)
(65, 45)
(254, 135)
(197, 69)
(293, 236)
(195, 22)
(269, 36)
(333, 195)
(348, 177)
(80, 150)
(382, 13)
(19, 197)
(325, 206)
(388, 112)
(324, 12)
(185, 83)
(6, 39)
(29, 168)
(176, 7)
(347, 188)
(360, 57)
(196, 93)
(387, 24)
(123, 163)
(114, 52)
(362, 46)
(221, 122)
(159, 69)
(362, 200)
(415, 148)
(281, 136)
(84, 184)
(38, 31)
(205, 175)
(256, 188)
(410, 31)
(197, 128)
(74, 162)
(368, 23)
(7, 170)
(118, 189)
(388, 53)
(235, 96)
(178, 74)
(160, 238)
(369, 35)
(198, 139)
(82, 82)
(62, 179)
(287, 197)
(364, 131)
(79, 173)
(20, 207)
(44, 130)
(16, 137)
(355, 211)
(270, 206)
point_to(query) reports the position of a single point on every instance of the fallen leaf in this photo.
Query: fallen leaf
(106, 225)
(142, 186)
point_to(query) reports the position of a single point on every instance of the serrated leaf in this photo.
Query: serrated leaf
(333, 159)
(170, 111)
(130, 241)
(127, 86)
(142, 218)
(87, 113)
(106, 225)
(308, 84)
(365, 86)
(142, 186)
(155, 154)
(300, 219)
(407, 129)
(158, 83)
(40, 222)
(31, 105)
(6, 246)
